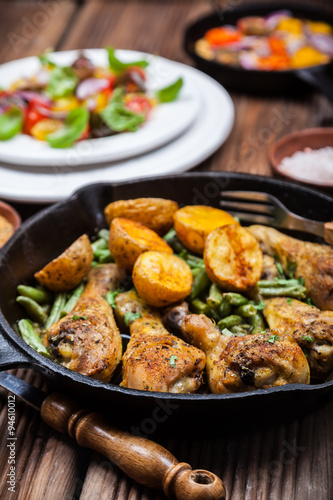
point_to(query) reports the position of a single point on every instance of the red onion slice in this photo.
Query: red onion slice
(272, 20)
(323, 43)
(90, 87)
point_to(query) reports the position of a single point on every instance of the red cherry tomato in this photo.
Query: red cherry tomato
(139, 104)
(34, 114)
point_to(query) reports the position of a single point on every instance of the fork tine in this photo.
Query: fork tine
(250, 207)
(249, 195)
(257, 219)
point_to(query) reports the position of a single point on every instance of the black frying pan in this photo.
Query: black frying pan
(255, 81)
(48, 233)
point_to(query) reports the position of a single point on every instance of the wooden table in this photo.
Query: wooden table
(286, 461)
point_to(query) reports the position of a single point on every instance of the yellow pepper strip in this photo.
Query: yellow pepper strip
(45, 127)
(291, 25)
(320, 27)
(308, 56)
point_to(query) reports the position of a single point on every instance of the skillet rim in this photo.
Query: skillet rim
(45, 366)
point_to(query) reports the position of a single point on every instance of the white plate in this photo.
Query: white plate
(207, 133)
(166, 121)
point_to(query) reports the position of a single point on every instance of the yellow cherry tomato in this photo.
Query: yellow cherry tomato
(308, 56)
(291, 25)
(66, 104)
(45, 127)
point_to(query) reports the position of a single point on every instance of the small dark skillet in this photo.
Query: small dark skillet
(48, 233)
(256, 81)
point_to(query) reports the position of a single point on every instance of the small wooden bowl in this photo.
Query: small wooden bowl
(10, 214)
(314, 138)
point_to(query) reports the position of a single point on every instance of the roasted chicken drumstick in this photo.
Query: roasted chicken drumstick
(311, 261)
(238, 364)
(311, 328)
(87, 340)
(154, 359)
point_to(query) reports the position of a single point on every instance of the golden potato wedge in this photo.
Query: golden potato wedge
(161, 278)
(129, 239)
(68, 270)
(193, 223)
(233, 258)
(155, 213)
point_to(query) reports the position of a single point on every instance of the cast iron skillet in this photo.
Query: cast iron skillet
(48, 233)
(256, 81)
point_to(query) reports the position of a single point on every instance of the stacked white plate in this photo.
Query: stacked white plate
(177, 136)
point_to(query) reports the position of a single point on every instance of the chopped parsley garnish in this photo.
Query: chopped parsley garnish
(173, 360)
(289, 300)
(273, 338)
(307, 338)
(309, 302)
(78, 317)
(130, 316)
(291, 268)
(111, 296)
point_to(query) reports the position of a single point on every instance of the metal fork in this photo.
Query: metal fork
(263, 208)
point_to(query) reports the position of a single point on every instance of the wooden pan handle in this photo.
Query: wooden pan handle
(146, 462)
(328, 235)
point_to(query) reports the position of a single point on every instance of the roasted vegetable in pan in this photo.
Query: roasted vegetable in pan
(129, 239)
(68, 270)
(233, 258)
(194, 223)
(162, 279)
(155, 213)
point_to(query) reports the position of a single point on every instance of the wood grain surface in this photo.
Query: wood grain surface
(269, 461)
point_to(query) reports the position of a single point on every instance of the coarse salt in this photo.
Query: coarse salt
(310, 165)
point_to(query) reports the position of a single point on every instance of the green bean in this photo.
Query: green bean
(99, 244)
(236, 299)
(170, 235)
(58, 306)
(277, 283)
(33, 309)
(200, 282)
(246, 310)
(225, 307)
(37, 294)
(103, 256)
(192, 260)
(257, 322)
(215, 296)
(230, 321)
(105, 234)
(282, 287)
(199, 307)
(196, 271)
(31, 337)
(238, 331)
(72, 301)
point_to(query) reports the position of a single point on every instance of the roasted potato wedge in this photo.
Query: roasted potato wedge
(155, 213)
(68, 270)
(193, 223)
(129, 239)
(233, 258)
(161, 278)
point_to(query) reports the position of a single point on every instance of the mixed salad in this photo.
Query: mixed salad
(279, 41)
(65, 104)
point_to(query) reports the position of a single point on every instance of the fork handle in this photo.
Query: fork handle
(328, 232)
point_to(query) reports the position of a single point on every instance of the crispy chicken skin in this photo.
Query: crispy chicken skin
(311, 328)
(154, 359)
(87, 340)
(239, 364)
(314, 262)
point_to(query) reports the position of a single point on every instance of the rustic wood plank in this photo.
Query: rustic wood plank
(28, 28)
